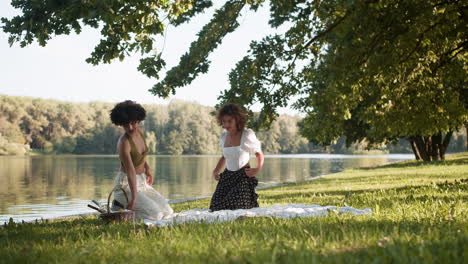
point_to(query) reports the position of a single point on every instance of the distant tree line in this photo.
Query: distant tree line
(51, 126)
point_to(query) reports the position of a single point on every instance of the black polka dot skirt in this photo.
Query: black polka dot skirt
(235, 190)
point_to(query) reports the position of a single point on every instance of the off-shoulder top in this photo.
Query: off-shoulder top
(238, 156)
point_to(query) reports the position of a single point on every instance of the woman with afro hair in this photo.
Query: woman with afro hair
(135, 175)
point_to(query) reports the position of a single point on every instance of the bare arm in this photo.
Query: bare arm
(260, 159)
(149, 174)
(252, 172)
(219, 167)
(126, 159)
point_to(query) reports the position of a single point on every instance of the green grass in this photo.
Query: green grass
(419, 216)
(36, 152)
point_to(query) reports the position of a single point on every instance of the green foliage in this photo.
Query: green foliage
(9, 148)
(196, 60)
(100, 140)
(48, 147)
(151, 141)
(282, 137)
(379, 77)
(419, 216)
(11, 132)
(178, 128)
(459, 143)
(197, 7)
(68, 145)
(126, 26)
(375, 71)
(190, 129)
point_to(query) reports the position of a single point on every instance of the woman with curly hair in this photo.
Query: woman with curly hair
(135, 175)
(236, 186)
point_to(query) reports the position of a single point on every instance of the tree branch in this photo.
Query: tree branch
(420, 39)
(443, 61)
(319, 35)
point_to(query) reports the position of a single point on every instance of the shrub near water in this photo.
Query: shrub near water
(419, 216)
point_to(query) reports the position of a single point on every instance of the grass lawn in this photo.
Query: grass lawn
(419, 216)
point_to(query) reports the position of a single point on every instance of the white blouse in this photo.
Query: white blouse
(238, 156)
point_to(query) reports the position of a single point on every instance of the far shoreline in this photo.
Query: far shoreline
(291, 155)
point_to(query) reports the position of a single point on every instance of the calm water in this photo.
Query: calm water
(53, 186)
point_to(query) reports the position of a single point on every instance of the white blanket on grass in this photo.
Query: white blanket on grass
(278, 211)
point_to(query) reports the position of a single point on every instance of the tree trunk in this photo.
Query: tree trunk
(436, 144)
(415, 148)
(430, 148)
(421, 146)
(445, 144)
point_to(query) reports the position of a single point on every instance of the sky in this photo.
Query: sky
(59, 71)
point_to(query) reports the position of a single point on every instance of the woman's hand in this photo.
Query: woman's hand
(216, 175)
(149, 178)
(251, 172)
(131, 204)
(149, 175)
(218, 168)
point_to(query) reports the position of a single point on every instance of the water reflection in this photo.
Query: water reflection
(52, 186)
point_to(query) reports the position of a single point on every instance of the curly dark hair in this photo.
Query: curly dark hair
(127, 111)
(234, 111)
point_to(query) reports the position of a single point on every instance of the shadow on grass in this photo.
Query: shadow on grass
(408, 164)
(442, 186)
(339, 239)
(347, 241)
(58, 230)
(386, 251)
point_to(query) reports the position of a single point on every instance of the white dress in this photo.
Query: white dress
(150, 203)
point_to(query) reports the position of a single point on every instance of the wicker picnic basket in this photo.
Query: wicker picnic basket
(126, 216)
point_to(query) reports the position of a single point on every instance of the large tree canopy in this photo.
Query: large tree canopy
(370, 70)
(126, 26)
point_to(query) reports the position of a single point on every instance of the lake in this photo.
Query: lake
(35, 187)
